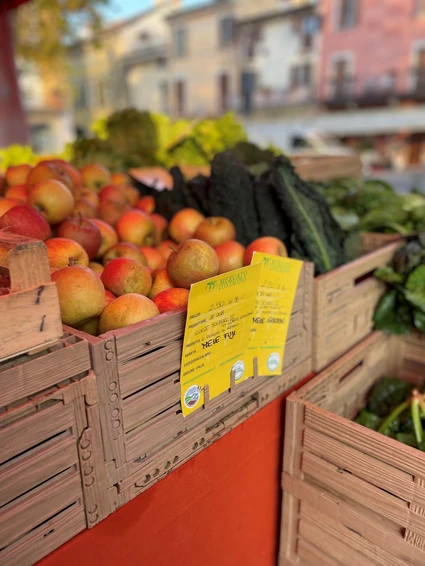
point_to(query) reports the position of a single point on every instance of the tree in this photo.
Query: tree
(45, 28)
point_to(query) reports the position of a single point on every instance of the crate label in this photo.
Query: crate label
(276, 293)
(216, 337)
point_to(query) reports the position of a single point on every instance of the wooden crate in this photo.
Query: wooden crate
(372, 241)
(351, 495)
(30, 314)
(144, 432)
(327, 167)
(344, 302)
(52, 473)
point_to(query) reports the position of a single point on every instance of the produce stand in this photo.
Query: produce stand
(324, 167)
(352, 495)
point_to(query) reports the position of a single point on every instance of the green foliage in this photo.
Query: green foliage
(16, 155)
(387, 394)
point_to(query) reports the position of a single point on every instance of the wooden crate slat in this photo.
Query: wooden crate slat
(29, 378)
(311, 556)
(37, 427)
(30, 510)
(31, 468)
(372, 241)
(46, 538)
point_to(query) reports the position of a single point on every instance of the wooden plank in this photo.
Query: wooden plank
(28, 378)
(312, 556)
(33, 429)
(372, 241)
(36, 466)
(43, 540)
(30, 510)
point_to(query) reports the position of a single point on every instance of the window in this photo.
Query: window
(81, 96)
(180, 42)
(226, 30)
(163, 93)
(180, 94)
(224, 92)
(301, 76)
(309, 27)
(348, 14)
(101, 93)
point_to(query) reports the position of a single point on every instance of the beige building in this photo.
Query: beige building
(128, 67)
(203, 78)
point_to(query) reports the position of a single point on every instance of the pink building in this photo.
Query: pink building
(373, 51)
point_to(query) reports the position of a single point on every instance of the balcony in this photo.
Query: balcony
(374, 90)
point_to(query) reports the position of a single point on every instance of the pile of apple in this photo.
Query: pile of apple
(114, 260)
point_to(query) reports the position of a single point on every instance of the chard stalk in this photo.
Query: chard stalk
(417, 398)
(393, 415)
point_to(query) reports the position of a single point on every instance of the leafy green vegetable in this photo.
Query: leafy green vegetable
(415, 288)
(388, 275)
(368, 419)
(391, 314)
(407, 438)
(419, 320)
(387, 394)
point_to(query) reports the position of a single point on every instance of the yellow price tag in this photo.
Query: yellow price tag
(276, 293)
(216, 338)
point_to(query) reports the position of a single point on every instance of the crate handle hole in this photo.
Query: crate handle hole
(351, 372)
(364, 278)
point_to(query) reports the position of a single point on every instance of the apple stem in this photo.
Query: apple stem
(172, 249)
(80, 218)
(71, 262)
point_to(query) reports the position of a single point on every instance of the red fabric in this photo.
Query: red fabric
(222, 508)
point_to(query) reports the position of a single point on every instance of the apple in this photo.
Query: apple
(161, 227)
(126, 310)
(26, 221)
(8, 203)
(109, 297)
(95, 176)
(17, 174)
(184, 224)
(81, 294)
(120, 179)
(166, 247)
(124, 275)
(111, 193)
(265, 245)
(53, 199)
(146, 204)
(161, 282)
(96, 267)
(92, 326)
(82, 231)
(18, 192)
(84, 208)
(108, 234)
(136, 227)
(46, 171)
(73, 173)
(171, 299)
(132, 195)
(111, 211)
(193, 262)
(124, 249)
(64, 252)
(230, 256)
(88, 194)
(215, 231)
(154, 258)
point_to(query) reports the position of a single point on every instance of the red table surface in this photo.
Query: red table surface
(222, 508)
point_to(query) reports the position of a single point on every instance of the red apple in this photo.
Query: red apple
(126, 310)
(64, 252)
(111, 193)
(73, 173)
(111, 212)
(194, 262)
(184, 224)
(146, 204)
(108, 234)
(161, 282)
(124, 275)
(215, 231)
(88, 194)
(230, 256)
(136, 227)
(120, 179)
(132, 195)
(81, 294)
(53, 199)
(96, 267)
(166, 247)
(47, 171)
(26, 221)
(18, 192)
(8, 203)
(17, 174)
(84, 208)
(109, 297)
(83, 231)
(153, 257)
(161, 227)
(95, 176)
(124, 249)
(265, 245)
(171, 299)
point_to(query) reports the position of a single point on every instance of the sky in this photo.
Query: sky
(125, 8)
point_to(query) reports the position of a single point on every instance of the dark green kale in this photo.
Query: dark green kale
(387, 394)
(273, 221)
